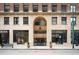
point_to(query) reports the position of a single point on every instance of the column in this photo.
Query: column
(21, 7)
(68, 7)
(11, 7)
(30, 7)
(48, 31)
(40, 7)
(49, 7)
(58, 7)
(1, 7)
(69, 31)
(31, 40)
(11, 36)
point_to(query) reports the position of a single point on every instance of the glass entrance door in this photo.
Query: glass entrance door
(40, 42)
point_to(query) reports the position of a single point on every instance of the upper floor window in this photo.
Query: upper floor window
(63, 8)
(54, 8)
(16, 20)
(25, 20)
(16, 7)
(6, 20)
(6, 7)
(54, 20)
(44, 7)
(73, 8)
(35, 7)
(64, 20)
(73, 19)
(25, 7)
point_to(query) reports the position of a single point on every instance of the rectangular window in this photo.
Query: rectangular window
(6, 20)
(20, 36)
(25, 20)
(59, 36)
(73, 19)
(54, 8)
(64, 20)
(25, 7)
(16, 20)
(54, 20)
(63, 8)
(16, 7)
(6, 7)
(73, 8)
(35, 7)
(44, 7)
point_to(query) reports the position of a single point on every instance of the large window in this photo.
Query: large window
(64, 20)
(35, 7)
(73, 8)
(54, 8)
(6, 20)
(25, 20)
(59, 36)
(16, 19)
(44, 7)
(63, 8)
(4, 37)
(20, 36)
(25, 7)
(54, 20)
(76, 37)
(6, 7)
(16, 7)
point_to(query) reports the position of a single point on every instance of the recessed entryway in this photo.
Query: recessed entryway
(40, 31)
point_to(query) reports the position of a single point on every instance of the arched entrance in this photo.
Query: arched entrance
(40, 31)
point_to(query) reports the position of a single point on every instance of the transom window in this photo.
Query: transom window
(40, 22)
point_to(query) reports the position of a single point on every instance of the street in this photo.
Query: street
(39, 52)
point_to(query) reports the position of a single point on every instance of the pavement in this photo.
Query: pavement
(39, 52)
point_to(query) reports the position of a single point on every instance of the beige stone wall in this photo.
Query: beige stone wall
(29, 27)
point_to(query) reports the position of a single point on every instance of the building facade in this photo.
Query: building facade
(38, 25)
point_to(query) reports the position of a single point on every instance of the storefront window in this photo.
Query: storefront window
(20, 36)
(59, 37)
(4, 37)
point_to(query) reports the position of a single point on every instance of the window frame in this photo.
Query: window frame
(55, 22)
(16, 20)
(6, 21)
(25, 21)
